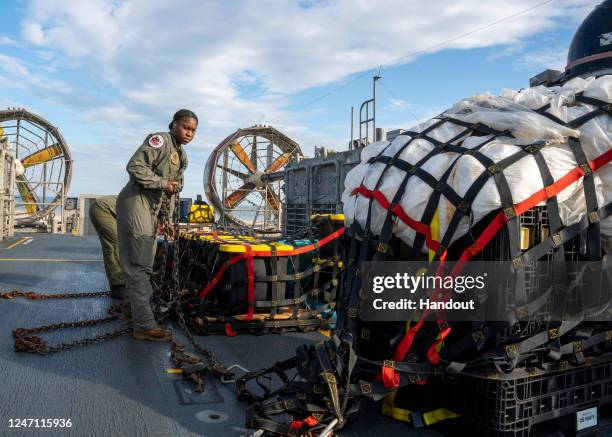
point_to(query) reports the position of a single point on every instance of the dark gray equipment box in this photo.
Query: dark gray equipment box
(315, 186)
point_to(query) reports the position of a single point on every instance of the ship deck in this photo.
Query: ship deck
(121, 387)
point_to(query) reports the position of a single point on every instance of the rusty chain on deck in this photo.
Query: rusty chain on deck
(166, 298)
(25, 342)
(190, 364)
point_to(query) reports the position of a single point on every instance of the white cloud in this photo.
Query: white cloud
(7, 41)
(15, 73)
(238, 63)
(553, 58)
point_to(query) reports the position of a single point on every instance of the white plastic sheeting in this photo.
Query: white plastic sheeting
(19, 168)
(512, 111)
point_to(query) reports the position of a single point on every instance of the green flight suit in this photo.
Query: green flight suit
(158, 160)
(103, 215)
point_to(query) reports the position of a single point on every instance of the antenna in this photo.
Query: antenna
(363, 140)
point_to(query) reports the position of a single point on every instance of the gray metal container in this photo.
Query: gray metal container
(315, 186)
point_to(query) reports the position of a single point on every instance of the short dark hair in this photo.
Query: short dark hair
(183, 113)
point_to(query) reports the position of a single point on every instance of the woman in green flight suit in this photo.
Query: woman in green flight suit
(155, 170)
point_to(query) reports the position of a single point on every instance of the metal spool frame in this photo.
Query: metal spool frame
(243, 177)
(47, 162)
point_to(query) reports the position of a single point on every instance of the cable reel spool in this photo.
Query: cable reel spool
(44, 164)
(244, 174)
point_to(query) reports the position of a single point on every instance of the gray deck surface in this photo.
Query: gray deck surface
(122, 387)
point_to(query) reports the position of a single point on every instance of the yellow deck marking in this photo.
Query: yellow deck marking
(21, 240)
(53, 260)
(174, 371)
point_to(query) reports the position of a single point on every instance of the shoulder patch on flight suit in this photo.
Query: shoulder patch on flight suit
(156, 141)
(174, 157)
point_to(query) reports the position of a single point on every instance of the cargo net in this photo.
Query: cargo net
(233, 283)
(519, 178)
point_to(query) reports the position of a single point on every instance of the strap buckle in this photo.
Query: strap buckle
(586, 168)
(553, 333)
(511, 350)
(478, 337)
(329, 377)
(464, 207)
(594, 217)
(411, 358)
(366, 387)
(389, 363)
(382, 247)
(557, 240)
(521, 312)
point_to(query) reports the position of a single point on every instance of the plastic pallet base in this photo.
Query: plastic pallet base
(520, 406)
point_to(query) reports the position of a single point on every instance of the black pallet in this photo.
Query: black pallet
(520, 403)
(533, 224)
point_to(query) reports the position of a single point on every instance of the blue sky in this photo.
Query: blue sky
(108, 72)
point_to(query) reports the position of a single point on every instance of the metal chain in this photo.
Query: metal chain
(33, 295)
(213, 364)
(25, 342)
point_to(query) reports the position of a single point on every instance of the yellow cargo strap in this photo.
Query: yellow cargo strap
(241, 248)
(332, 217)
(435, 231)
(403, 414)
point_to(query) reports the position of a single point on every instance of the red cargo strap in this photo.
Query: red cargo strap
(496, 224)
(432, 354)
(404, 346)
(322, 242)
(209, 287)
(545, 193)
(296, 424)
(229, 331)
(250, 282)
(421, 228)
(311, 421)
(390, 378)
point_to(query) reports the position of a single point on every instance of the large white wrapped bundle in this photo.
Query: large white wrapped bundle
(513, 111)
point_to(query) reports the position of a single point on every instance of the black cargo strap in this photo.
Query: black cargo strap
(478, 346)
